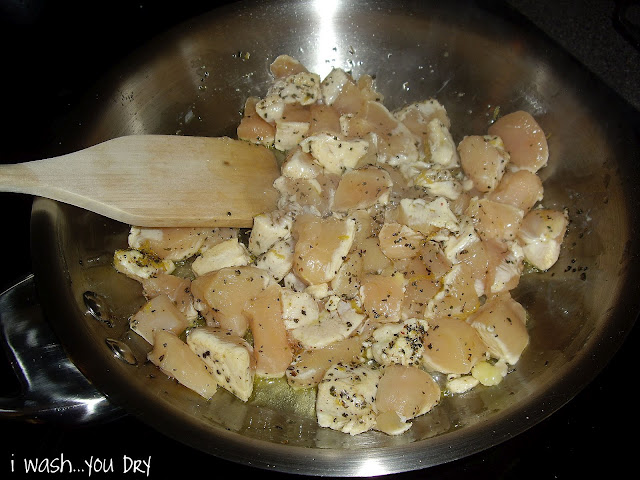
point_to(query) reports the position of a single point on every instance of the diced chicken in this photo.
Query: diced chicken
(298, 308)
(521, 188)
(253, 128)
(505, 264)
(348, 279)
(394, 142)
(427, 217)
(310, 366)
(457, 297)
(176, 288)
(226, 293)
(278, 260)
(176, 360)
(271, 348)
(330, 326)
(404, 393)
(440, 148)
(494, 220)
(268, 228)
(333, 85)
(362, 188)
(285, 65)
(346, 398)
(230, 253)
(523, 139)
(421, 286)
(173, 244)
(373, 258)
(501, 323)
(228, 357)
(397, 241)
(382, 297)
(300, 88)
(541, 234)
(321, 246)
(137, 265)
(157, 314)
(324, 119)
(289, 134)
(299, 164)
(417, 116)
(307, 195)
(438, 182)
(484, 160)
(399, 343)
(335, 154)
(452, 346)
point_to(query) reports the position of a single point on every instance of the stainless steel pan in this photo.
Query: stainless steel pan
(475, 60)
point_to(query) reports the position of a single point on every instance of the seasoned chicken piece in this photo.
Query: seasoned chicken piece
(484, 160)
(427, 217)
(362, 188)
(299, 164)
(301, 88)
(501, 323)
(493, 220)
(324, 119)
(346, 398)
(373, 258)
(541, 235)
(335, 154)
(278, 260)
(330, 326)
(173, 244)
(268, 228)
(289, 133)
(321, 245)
(382, 297)
(420, 286)
(417, 116)
(298, 308)
(440, 148)
(230, 253)
(399, 343)
(176, 288)
(452, 346)
(271, 348)
(394, 143)
(505, 264)
(176, 360)
(159, 313)
(437, 182)
(226, 293)
(334, 83)
(137, 265)
(523, 139)
(521, 188)
(457, 297)
(397, 241)
(228, 357)
(310, 366)
(404, 393)
(307, 195)
(253, 128)
(285, 65)
(348, 279)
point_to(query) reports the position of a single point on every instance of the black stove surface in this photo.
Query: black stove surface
(54, 51)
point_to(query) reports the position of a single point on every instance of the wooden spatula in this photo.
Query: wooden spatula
(157, 180)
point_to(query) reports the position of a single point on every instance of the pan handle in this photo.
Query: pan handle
(52, 388)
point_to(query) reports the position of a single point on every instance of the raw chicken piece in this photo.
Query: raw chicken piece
(452, 346)
(362, 188)
(404, 393)
(523, 139)
(176, 360)
(253, 128)
(176, 288)
(484, 160)
(495, 221)
(521, 188)
(457, 297)
(346, 398)
(159, 313)
(230, 253)
(399, 343)
(321, 246)
(285, 65)
(382, 297)
(271, 348)
(398, 241)
(501, 323)
(168, 243)
(228, 357)
(541, 235)
(226, 293)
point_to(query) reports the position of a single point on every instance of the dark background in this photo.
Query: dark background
(52, 54)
